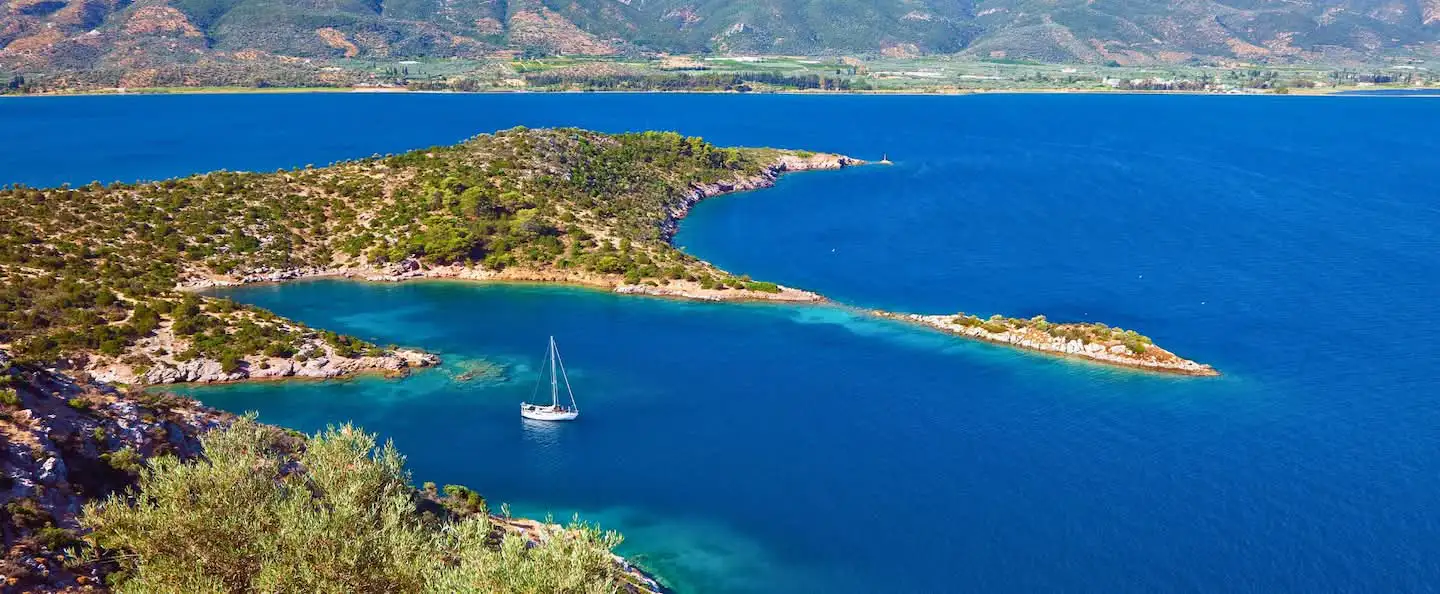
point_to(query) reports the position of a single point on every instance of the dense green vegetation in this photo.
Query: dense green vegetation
(741, 82)
(265, 75)
(93, 269)
(265, 512)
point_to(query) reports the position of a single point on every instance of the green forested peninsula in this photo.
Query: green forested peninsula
(94, 270)
(97, 278)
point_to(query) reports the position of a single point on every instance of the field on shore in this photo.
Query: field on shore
(926, 74)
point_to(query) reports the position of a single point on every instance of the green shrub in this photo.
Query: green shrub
(238, 521)
(9, 397)
(229, 362)
(79, 403)
(125, 460)
(463, 499)
(27, 513)
(112, 348)
(1134, 341)
(56, 539)
(1041, 324)
(964, 320)
(281, 350)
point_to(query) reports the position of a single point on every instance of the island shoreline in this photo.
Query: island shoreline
(1092, 342)
(1167, 371)
(414, 271)
(899, 318)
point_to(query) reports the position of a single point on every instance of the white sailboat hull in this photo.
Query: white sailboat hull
(554, 411)
(547, 413)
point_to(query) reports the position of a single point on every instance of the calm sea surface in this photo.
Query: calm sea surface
(1290, 241)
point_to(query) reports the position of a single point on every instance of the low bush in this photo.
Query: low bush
(339, 516)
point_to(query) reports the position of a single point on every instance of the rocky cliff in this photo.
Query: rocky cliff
(780, 164)
(68, 442)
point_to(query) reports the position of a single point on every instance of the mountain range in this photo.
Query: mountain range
(131, 35)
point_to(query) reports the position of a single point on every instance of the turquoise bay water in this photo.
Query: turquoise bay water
(764, 448)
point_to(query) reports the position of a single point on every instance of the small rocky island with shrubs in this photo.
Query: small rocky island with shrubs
(1089, 341)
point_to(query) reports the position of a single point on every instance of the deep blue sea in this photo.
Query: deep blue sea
(1293, 242)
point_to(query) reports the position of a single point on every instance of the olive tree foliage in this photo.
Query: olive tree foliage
(339, 516)
(577, 560)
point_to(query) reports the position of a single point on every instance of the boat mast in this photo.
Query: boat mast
(554, 388)
(566, 377)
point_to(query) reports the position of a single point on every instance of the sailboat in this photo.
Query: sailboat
(555, 411)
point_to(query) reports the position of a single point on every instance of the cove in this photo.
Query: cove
(738, 446)
(764, 448)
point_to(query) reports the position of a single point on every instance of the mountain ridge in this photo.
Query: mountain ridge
(140, 38)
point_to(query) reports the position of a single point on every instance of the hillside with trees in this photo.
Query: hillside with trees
(115, 43)
(91, 273)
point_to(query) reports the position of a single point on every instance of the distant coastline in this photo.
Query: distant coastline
(933, 91)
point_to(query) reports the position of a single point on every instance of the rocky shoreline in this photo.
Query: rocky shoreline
(413, 270)
(314, 359)
(786, 163)
(207, 371)
(68, 442)
(1151, 358)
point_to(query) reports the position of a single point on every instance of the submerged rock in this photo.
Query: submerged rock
(479, 370)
